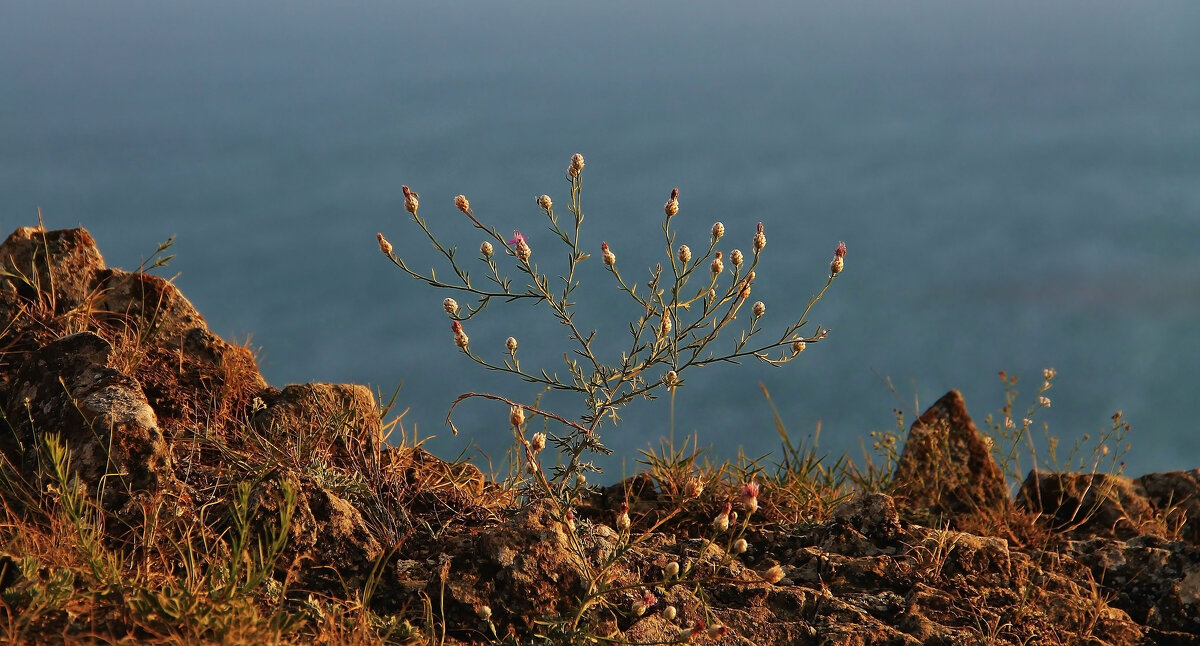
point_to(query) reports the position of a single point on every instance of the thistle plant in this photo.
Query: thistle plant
(685, 304)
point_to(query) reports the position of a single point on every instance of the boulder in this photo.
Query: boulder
(946, 466)
(1090, 504)
(60, 266)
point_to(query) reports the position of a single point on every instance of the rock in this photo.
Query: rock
(946, 466)
(1155, 580)
(151, 307)
(343, 416)
(1175, 497)
(65, 277)
(873, 515)
(100, 414)
(1088, 504)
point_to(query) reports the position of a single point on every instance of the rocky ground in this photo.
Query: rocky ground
(166, 424)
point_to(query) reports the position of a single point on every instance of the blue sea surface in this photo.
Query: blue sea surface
(1018, 185)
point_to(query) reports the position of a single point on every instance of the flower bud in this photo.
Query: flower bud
(693, 488)
(750, 496)
(671, 570)
(462, 203)
(717, 266)
(664, 328)
(545, 202)
(610, 258)
(798, 346)
(717, 631)
(576, 165)
(511, 345)
(570, 520)
(384, 245)
(672, 205)
(460, 336)
(735, 257)
(671, 378)
(685, 254)
(760, 239)
(410, 200)
(760, 308)
(721, 522)
(739, 546)
(523, 250)
(718, 230)
(486, 249)
(623, 517)
(838, 263)
(669, 613)
(537, 442)
(516, 416)
(484, 612)
(451, 306)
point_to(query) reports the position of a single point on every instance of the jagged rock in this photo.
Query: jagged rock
(873, 515)
(153, 307)
(1090, 504)
(100, 414)
(946, 465)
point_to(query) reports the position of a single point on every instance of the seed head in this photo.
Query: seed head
(1044, 402)
(671, 379)
(451, 306)
(773, 575)
(735, 257)
(516, 416)
(685, 254)
(664, 328)
(410, 200)
(718, 230)
(511, 344)
(486, 249)
(462, 203)
(672, 205)
(693, 488)
(537, 442)
(798, 346)
(671, 570)
(384, 245)
(717, 265)
(623, 517)
(669, 613)
(460, 336)
(576, 166)
(1049, 373)
(484, 612)
(739, 546)
(545, 202)
(760, 308)
(760, 239)
(610, 258)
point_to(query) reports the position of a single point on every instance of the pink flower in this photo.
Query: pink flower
(840, 252)
(517, 237)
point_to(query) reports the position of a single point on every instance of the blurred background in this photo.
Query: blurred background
(1018, 185)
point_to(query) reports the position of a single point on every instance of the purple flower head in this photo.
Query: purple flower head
(517, 237)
